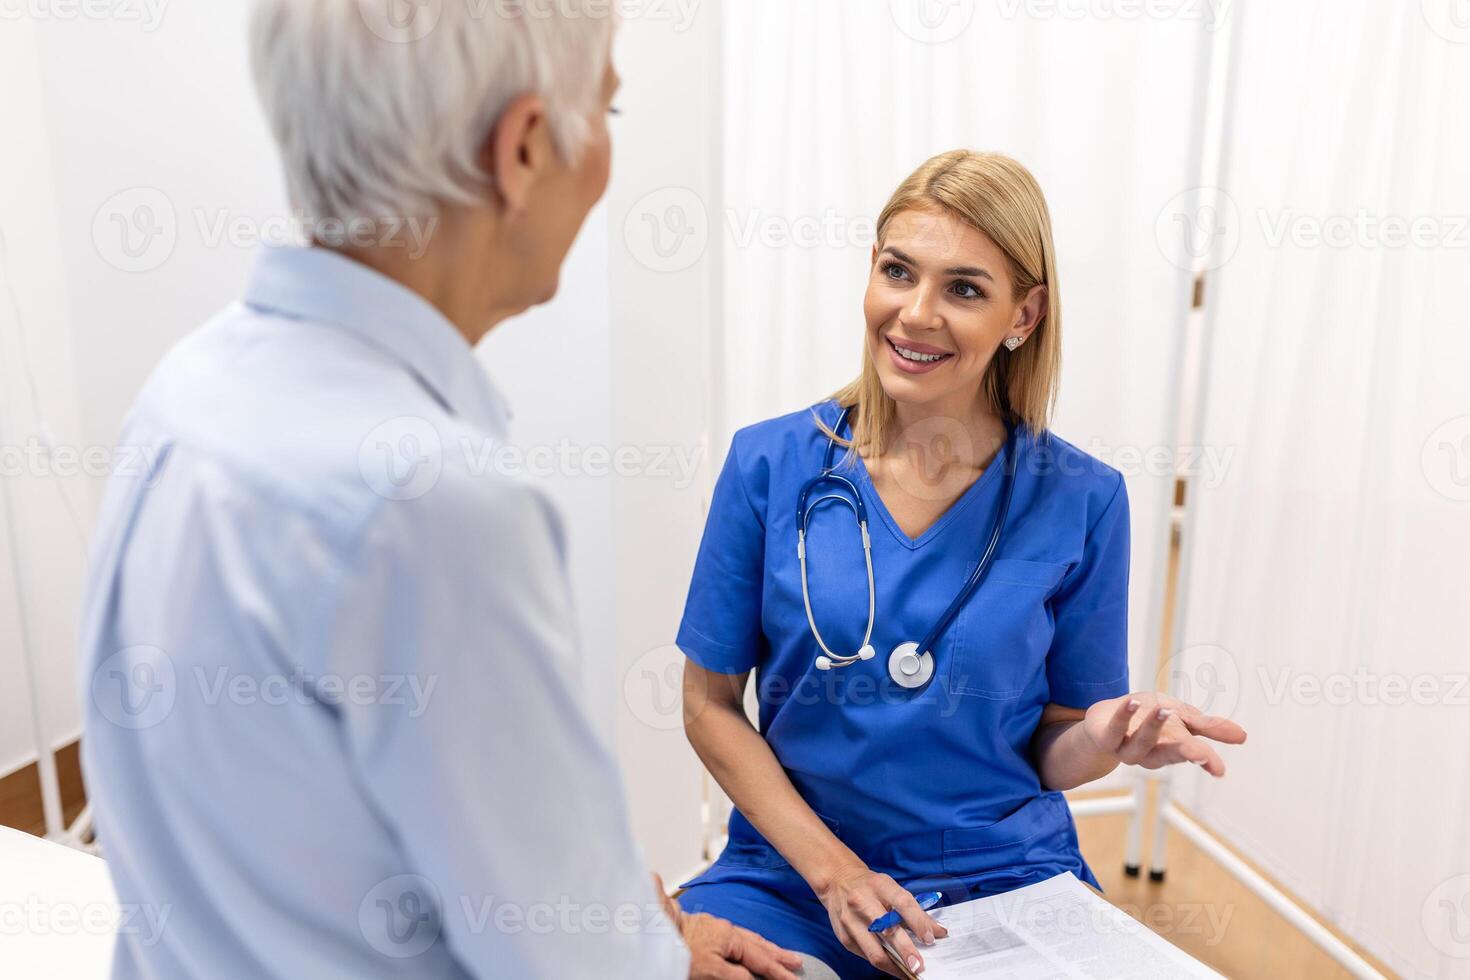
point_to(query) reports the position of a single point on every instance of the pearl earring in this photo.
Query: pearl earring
(1013, 342)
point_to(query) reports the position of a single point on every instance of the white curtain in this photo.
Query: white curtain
(830, 104)
(1331, 566)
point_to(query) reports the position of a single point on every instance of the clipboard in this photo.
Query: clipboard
(903, 968)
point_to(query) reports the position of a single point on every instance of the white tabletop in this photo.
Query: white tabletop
(58, 910)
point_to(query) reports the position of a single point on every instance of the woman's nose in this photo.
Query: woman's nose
(922, 313)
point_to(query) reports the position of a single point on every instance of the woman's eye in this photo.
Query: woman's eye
(894, 271)
(965, 290)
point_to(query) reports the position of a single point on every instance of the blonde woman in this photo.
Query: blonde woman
(933, 592)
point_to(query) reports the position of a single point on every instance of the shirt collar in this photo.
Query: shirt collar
(322, 286)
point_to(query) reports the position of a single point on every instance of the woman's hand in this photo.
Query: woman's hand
(719, 950)
(856, 897)
(1153, 730)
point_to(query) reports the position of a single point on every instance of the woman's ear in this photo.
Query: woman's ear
(517, 148)
(1032, 310)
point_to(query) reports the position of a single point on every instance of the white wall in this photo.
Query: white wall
(665, 317)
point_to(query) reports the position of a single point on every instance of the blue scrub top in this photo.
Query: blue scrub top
(934, 785)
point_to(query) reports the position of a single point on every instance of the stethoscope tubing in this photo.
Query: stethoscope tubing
(978, 575)
(837, 659)
(855, 503)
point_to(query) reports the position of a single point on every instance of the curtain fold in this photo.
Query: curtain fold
(1332, 564)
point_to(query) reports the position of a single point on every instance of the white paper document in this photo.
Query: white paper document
(1047, 931)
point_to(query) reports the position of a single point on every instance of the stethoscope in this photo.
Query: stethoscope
(910, 665)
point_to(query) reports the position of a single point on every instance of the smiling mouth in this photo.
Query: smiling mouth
(917, 357)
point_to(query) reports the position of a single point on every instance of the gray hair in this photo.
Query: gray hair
(380, 116)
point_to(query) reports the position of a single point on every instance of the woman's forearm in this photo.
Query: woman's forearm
(1066, 758)
(747, 770)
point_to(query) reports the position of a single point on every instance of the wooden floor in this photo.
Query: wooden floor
(20, 793)
(1204, 910)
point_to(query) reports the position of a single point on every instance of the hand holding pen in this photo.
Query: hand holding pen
(859, 898)
(908, 969)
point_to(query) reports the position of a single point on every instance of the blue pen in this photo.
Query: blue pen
(926, 900)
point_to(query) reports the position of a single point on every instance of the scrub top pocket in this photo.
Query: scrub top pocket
(1036, 833)
(1002, 635)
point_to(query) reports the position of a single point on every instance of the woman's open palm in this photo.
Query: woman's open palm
(1153, 730)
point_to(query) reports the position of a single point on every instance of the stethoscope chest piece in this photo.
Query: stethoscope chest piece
(908, 667)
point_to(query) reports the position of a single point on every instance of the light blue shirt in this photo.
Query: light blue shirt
(333, 726)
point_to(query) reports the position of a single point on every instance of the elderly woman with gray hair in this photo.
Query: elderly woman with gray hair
(423, 794)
